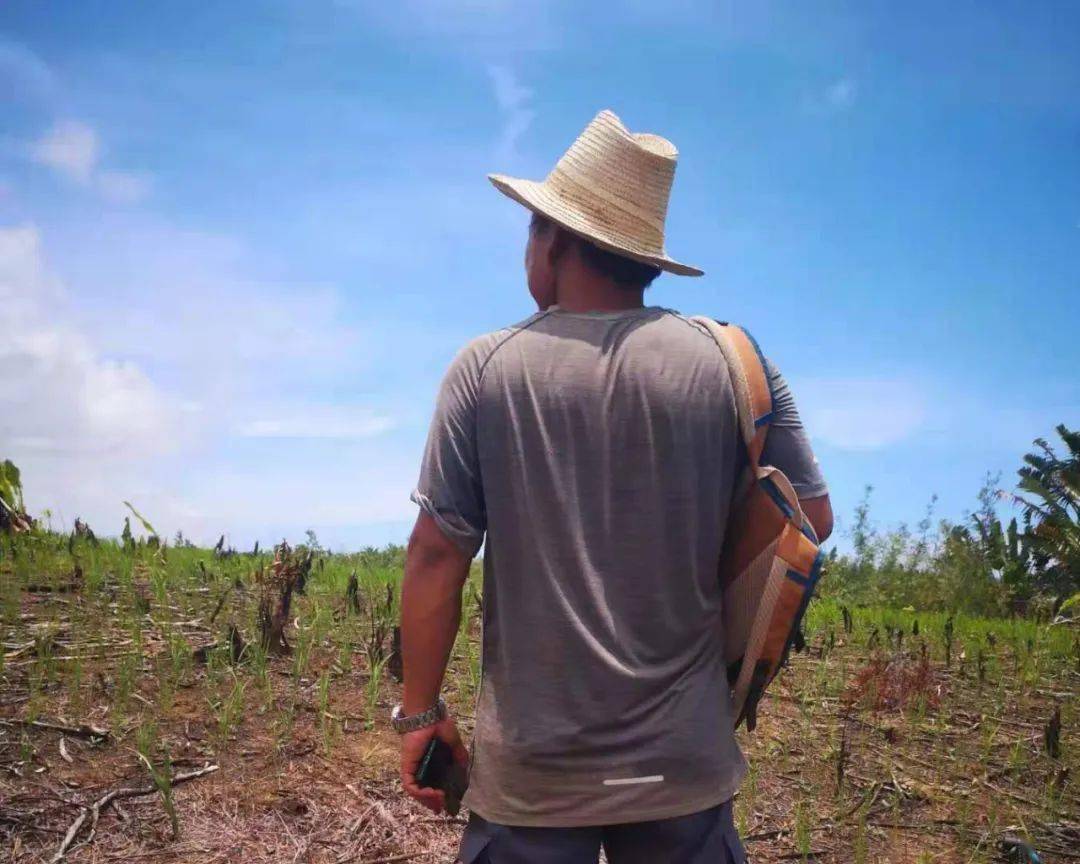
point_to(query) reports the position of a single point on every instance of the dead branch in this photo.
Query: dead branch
(93, 812)
(221, 602)
(63, 588)
(1052, 734)
(276, 597)
(394, 663)
(352, 597)
(83, 730)
(393, 859)
(381, 621)
(238, 648)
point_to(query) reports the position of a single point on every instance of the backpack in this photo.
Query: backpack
(771, 559)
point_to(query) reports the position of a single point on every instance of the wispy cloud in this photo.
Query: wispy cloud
(861, 413)
(124, 187)
(509, 92)
(72, 149)
(837, 97)
(840, 95)
(25, 75)
(513, 100)
(325, 422)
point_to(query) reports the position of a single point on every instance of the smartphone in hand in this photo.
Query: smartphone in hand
(438, 770)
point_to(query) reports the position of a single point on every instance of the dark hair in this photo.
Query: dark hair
(624, 272)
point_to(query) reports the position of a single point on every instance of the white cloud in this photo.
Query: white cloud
(513, 100)
(123, 187)
(211, 400)
(58, 395)
(73, 150)
(70, 148)
(862, 414)
(329, 422)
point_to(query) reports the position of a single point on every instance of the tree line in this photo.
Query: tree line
(980, 564)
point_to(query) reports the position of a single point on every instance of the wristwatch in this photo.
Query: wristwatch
(403, 723)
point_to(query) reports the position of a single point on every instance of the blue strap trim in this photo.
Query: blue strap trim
(781, 502)
(798, 578)
(815, 571)
(774, 493)
(763, 419)
(764, 371)
(810, 583)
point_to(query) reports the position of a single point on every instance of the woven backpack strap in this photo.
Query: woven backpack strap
(753, 395)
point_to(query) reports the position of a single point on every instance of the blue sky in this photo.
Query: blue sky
(239, 243)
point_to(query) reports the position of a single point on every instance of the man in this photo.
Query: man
(595, 446)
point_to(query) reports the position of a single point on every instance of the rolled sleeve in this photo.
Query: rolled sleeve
(450, 488)
(787, 445)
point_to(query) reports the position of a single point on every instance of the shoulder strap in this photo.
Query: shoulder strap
(753, 395)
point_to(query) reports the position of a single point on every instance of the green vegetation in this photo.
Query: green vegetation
(979, 565)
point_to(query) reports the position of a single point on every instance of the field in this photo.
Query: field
(160, 703)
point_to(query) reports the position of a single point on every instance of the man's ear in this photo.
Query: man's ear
(561, 242)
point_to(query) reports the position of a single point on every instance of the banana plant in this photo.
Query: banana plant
(13, 516)
(1050, 498)
(1009, 555)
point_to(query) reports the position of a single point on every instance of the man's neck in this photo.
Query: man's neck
(591, 294)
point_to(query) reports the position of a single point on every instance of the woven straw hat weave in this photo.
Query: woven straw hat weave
(612, 188)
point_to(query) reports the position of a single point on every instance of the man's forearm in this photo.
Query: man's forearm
(430, 615)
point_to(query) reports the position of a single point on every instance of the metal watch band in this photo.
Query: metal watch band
(413, 722)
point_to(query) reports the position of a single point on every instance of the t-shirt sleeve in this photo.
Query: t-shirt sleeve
(449, 489)
(787, 446)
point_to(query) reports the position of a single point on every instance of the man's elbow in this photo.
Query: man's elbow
(430, 549)
(819, 513)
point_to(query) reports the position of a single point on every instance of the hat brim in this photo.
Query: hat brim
(538, 198)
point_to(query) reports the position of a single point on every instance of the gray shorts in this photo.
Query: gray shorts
(708, 837)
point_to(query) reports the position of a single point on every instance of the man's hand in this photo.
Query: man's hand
(413, 745)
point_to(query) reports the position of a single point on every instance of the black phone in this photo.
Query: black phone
(435, 765)
(438, 770)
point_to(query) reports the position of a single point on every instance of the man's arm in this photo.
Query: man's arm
(787, 446)
(448, 533)
(435, 572)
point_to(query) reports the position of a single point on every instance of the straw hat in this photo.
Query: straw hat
(611, 187)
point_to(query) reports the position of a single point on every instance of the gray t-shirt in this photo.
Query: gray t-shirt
(598, 453)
